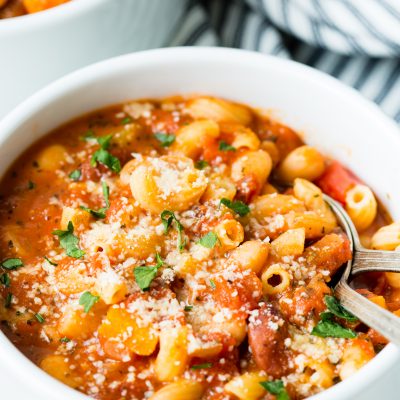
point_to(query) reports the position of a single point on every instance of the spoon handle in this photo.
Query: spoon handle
(368, 312)
(375, 260)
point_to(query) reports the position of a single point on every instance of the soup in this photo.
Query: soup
(181, 248)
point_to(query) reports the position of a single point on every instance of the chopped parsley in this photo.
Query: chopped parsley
(238, 206)
(201, 164)
(212, 284)
(276, 388)
(88, 135)
(144, 274)
(338, 310)
(12, 263)
(69, 242)
(165, 139)
(188, 308)
(39, 318)
(223, 146)
(326, 327)
(88, 300)
(65, 340)
(167, 217)
(31, 185)
(8, 300)
(54, 264)
(209, 240)
(202, 366)
(5, 280)
(75, 175)
(101, 212)
(126, 120)
(103, 156)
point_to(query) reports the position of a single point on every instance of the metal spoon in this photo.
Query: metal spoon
(365, 260)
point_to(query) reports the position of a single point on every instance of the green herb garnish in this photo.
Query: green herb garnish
(8, 300)
(69, 242)
(100, 213)
(223, 146)
(209, 240)
(12, 263)
(238, 206)
(103, 156)
(165, 139)
(167, 217)
(75, 175)
(337, 309)
(65, 340)
(54, 264)
(31, 185)
(88, 300)
(277, 388)
(39, 318)
(202, 366)
(188, 308)
(88, 135)
(5, 280)
(212, 284)
(201, 164)
(126, 120)
(326, 327)
(144, 274)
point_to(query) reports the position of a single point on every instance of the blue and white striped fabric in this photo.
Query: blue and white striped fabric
(357, 41)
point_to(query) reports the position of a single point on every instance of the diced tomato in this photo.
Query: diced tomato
(336, 181)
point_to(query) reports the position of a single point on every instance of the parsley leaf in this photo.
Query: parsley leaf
(39, 318)
(103, 156)
(144, 274)
(12, 263)
(88, 300)
(212, 284)
(75, 175)
(337, 309)
(188, 308)
(88, 135)
(65, 340)
(50, 262)
(165, 139)
(5, 280)
(126, 120)
(209, 240)
(238, 207)
(100, 213)
(31, 185)
(202, 366)
(277, 388)
(201, 164)
(223, 146)
(8, 300)
(167, 217)
(69, 241)
(329, 328)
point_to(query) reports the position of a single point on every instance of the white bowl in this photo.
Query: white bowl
(38, 48)
(333, 117)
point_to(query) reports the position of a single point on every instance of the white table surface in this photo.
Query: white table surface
(387, 388)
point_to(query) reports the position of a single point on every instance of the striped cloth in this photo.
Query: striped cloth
(357, 41)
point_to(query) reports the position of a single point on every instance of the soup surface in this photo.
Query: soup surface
(16, 8)
(181, 249)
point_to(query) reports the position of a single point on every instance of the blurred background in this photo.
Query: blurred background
(357, 41)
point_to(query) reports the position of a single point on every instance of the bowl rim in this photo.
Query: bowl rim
(50, 17)
(36, 103)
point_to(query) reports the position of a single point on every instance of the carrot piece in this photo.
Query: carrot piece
(336, 181)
